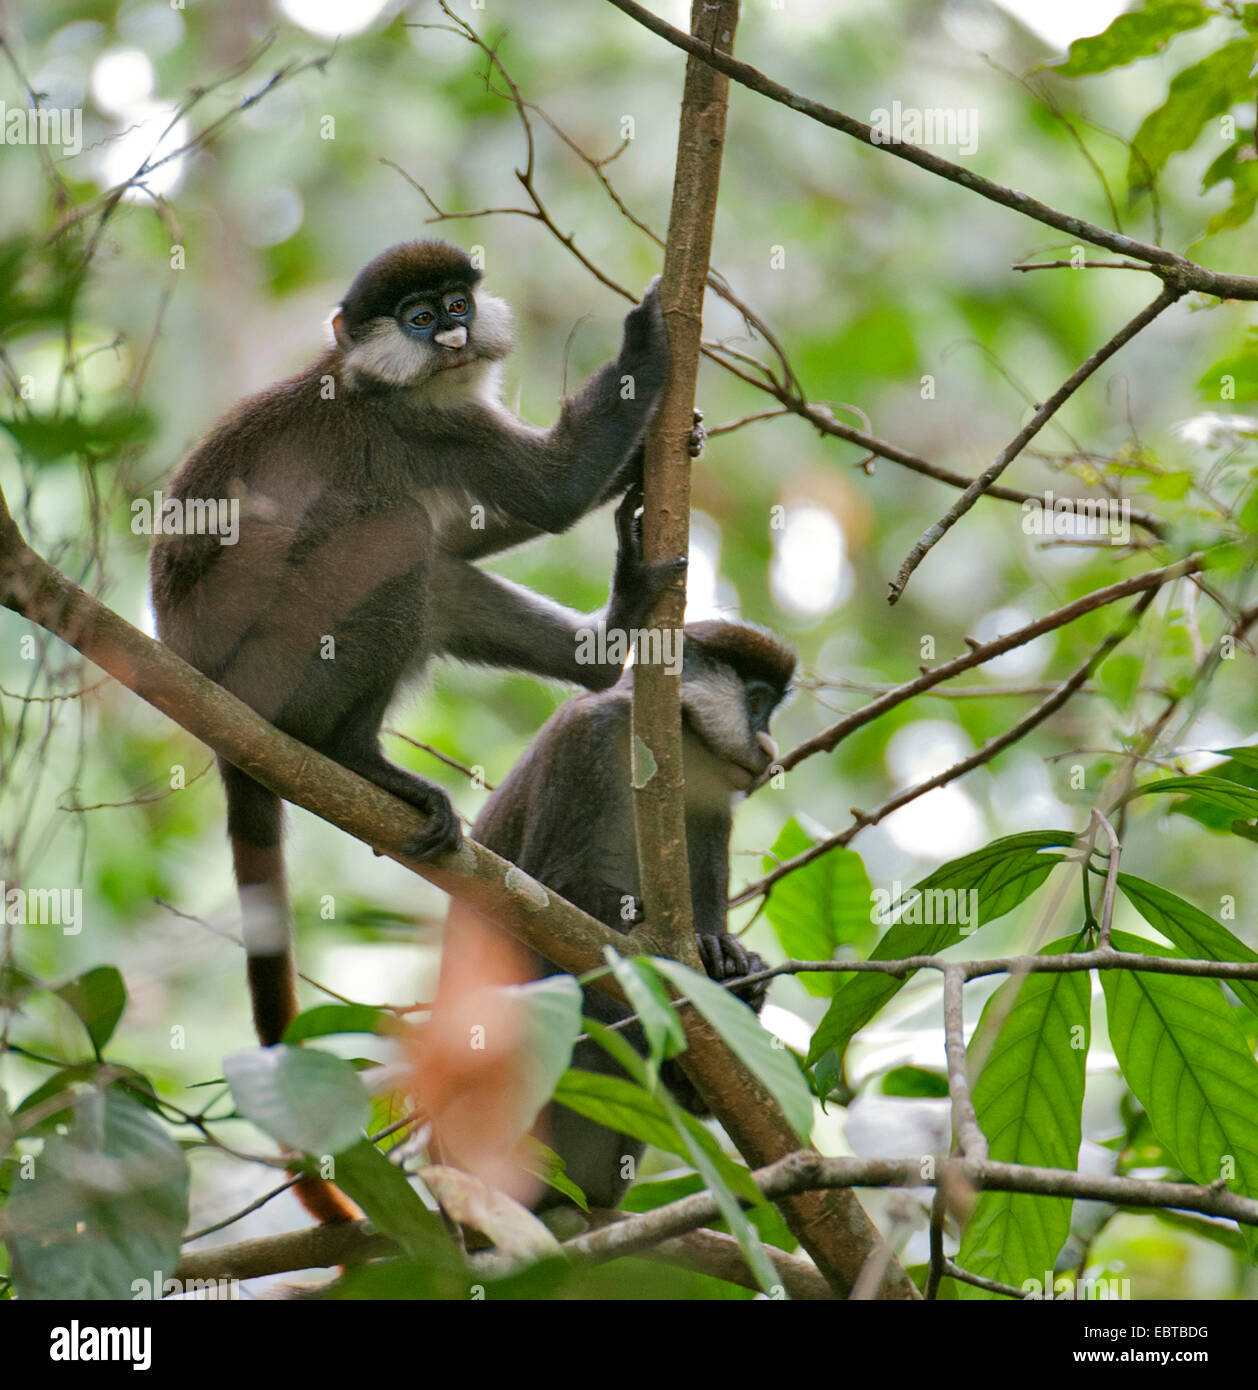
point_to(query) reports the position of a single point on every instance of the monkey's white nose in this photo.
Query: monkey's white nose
(769, 746)
(451, 337)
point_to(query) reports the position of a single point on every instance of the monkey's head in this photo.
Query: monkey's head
(733, 678)
(414, 312)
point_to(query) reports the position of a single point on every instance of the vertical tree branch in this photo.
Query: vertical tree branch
(658, 776)
(831, 1226)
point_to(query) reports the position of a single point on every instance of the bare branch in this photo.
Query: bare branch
(936, 532)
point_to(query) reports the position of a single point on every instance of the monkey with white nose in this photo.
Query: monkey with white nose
(367, 484)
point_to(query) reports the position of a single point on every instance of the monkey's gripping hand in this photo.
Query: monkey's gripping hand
(636, 583)
(726, 958)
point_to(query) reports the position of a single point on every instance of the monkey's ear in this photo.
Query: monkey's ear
(339, 331)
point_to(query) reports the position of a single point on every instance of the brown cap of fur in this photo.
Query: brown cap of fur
(410, 268)
(756, 655)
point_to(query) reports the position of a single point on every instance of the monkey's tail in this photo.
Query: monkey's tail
(255, 828)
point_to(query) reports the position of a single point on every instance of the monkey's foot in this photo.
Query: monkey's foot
(698, 436)
(726, 958)
(443, 831)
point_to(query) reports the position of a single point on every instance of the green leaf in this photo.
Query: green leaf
(741, 1229)
(1241, 768)
(1196, 95)
(389, 1201)
(1002, 874)
(914, 1081)
(327, 1019)
(1137, 34)
(1189, 1066)
(47, 439)
(819, 907)
(758, 1051)
(1213, 791)
(620, 1105)
(1196, 935)
(551, 1023)
(543, 1162)
(1119, 677)
(304, 1099)
(1242, 367)
(1029, 1103)
(98, 997)
(106, 1208)
(664, 1032)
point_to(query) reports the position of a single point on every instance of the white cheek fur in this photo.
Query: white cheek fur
(386, 354)
(714, 703)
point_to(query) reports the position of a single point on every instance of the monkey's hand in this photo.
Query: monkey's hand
(726, 958)
(644, 347)
(636, 583)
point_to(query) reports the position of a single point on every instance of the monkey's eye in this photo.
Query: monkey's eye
(758, 703)
(420, 318)
(457, 305)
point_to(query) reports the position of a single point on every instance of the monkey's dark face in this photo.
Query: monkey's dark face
(414, 315)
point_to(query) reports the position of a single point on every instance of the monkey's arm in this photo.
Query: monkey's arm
(486, 620)
(529, 480)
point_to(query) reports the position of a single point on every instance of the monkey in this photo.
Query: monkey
(564, 814)
(366, 487)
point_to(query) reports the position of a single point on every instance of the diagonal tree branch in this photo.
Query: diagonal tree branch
(979, 486)
(1174, 269)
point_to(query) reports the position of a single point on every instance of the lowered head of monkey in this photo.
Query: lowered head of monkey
(415, 312)
(565, 815)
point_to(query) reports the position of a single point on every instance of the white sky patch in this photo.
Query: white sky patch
(945, 822)
(942, 824)
(1203, 737)
(330, 19)
(1060, 22)
(1213, 430)
(1022, 663)
(703, 584)
(273, 216)
(925, 747)
(810, 575)
(122, 79)
(141, 138)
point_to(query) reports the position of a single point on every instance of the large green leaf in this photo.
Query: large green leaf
(758, 1050)
(98, 997)
(1188, 1064)
(306, 1100)
(743, 1231)
(619, 1104)
(327, 1019)
(1196, 95)
(1214, 791)
(819, 907)
(551, 1023)
(389, 1201)
(1001, 874)
(1029, 1103)
(1137, 34)
(106, 1208)
(1191, 930)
